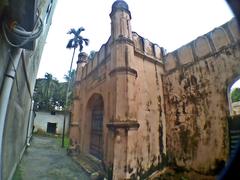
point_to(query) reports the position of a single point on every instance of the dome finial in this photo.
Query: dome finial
(120, 5)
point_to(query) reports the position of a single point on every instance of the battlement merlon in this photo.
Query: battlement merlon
(202, 47)
(121, 33)
(141, 45)
(147, 48)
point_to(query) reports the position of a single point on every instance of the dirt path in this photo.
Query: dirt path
(46, 160)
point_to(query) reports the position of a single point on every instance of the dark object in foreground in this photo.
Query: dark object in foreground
(235, 6)
(231, 171)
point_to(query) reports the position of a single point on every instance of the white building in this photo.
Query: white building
(51, 122)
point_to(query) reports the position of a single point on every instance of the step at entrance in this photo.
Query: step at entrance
(90, 164)
(234, 133)
(234, 140)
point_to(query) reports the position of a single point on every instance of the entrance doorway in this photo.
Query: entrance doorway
(51, 128)
(234, 118)
(97, 114)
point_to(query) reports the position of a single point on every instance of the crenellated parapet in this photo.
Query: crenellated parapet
(204, 46)
(141, 45)
(147, 48)
(100, 57)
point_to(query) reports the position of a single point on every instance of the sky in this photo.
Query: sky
(168, 23)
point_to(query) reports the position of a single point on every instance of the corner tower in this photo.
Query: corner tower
(120, 20)
(123, 78)
(122, 74)
(123, 85)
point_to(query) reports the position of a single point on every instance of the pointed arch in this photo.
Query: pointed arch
(95, 116)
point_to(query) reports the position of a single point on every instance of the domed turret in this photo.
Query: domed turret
(82, 61)
(120, 20)
(82, 58)
(120, 5)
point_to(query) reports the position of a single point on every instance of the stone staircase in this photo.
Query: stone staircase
(93, 166)
(234, 133)
(234, 140)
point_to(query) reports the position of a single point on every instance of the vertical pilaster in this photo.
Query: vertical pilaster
(122, 60)
(120, 154)
(123, 77)
(76, 111)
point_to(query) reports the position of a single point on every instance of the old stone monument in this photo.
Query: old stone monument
(136, 108)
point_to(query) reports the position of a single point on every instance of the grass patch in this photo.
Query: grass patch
(18, 174)
(66, 141)
(41, 132)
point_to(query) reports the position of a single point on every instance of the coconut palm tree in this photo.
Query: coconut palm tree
(45, 92)
(75, 42)
(49, 85)
(70, 77)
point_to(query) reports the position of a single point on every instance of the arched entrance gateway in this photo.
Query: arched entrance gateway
(234, 111)
(96, 115)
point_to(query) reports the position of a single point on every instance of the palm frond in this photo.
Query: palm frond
(80, 47)
(77, 40)
(70, 44)
(72, 31)
(86, 41)
(79, 31)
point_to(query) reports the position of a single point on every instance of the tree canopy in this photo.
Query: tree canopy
(235, 95)
(77, 40)
(49, 93)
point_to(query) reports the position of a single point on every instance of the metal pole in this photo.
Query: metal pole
(30, 124)
(66, 101)
(5, 96)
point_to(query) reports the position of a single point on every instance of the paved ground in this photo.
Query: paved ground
(46, 160)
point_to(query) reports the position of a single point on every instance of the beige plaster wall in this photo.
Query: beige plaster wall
(195, 90)
(136, 97)
(147, 144)
(96, 82)
(179, 100)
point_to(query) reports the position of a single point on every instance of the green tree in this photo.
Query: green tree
(70, 78)
(38, 95)
(75, 42)
(49, 93)
(235, 95)
(59, 94)
(49, 85)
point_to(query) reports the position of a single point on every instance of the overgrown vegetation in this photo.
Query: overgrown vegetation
(235, 95)
(66, 141)
(41, 132)
(50, 94)
(18, 174)
(173, 174)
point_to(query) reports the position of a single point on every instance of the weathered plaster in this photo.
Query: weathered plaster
(197, 104)
(159, 109)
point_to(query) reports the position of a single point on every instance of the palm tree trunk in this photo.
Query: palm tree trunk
(66, 101)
